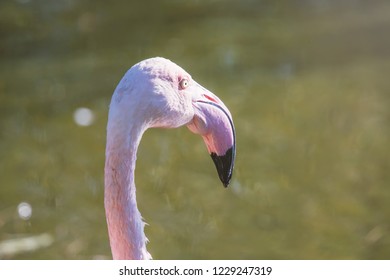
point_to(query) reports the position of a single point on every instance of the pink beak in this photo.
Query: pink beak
(213, 121)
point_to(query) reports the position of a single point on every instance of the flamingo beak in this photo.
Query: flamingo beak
(213, 121)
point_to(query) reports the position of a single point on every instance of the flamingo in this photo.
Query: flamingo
(155, 93)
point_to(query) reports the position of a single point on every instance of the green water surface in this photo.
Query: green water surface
(307, 83)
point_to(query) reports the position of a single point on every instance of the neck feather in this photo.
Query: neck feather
(124, 221)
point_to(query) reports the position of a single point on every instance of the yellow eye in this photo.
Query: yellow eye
(184, 83)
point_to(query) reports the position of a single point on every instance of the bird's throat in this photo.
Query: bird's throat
(124, 221)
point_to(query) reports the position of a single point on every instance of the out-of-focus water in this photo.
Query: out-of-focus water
(307, 84)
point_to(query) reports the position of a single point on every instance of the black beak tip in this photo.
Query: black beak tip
(224, 165)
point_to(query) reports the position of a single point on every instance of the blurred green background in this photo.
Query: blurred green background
(307, 83)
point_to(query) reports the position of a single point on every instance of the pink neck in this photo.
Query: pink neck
(125, 225)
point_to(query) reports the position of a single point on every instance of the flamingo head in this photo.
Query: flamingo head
(159, 93)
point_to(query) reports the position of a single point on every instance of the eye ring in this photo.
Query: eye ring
(184, 83)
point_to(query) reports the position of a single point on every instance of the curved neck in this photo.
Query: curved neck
(124, 221)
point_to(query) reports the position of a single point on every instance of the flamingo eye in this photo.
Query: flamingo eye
(184, 83)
